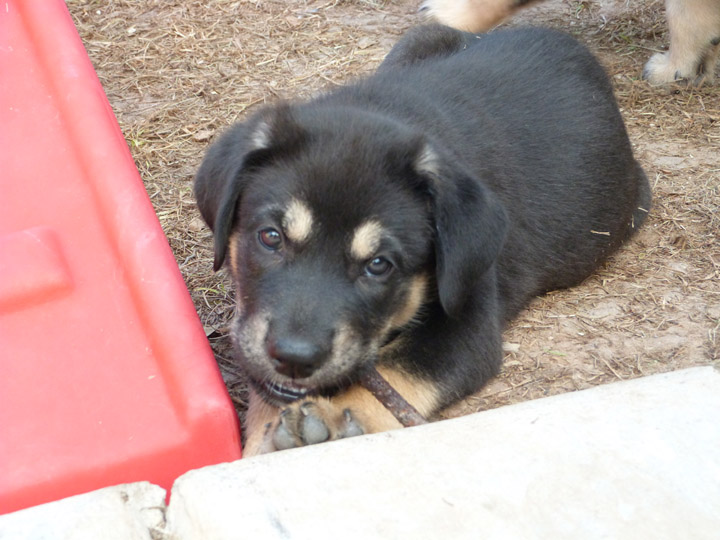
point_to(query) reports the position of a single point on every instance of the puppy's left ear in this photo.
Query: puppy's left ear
(470, 224)
(223, 174)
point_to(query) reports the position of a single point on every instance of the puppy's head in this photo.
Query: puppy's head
(339, 226)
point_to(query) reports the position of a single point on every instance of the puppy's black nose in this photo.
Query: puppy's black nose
(295, 357)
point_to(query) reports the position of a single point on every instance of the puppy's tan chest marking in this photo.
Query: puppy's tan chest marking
(366, 239)
(298, 221)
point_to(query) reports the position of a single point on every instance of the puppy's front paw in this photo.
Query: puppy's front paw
(312, 422)
(352, 412)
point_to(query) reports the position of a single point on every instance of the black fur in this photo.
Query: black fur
(499, 162)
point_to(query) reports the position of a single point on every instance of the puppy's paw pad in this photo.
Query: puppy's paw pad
(313, 423)
(283, 437)
(351, 427)
(313, 428)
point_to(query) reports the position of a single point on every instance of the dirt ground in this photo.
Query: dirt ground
(177, 72)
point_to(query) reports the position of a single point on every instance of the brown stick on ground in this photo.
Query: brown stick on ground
(405, 413)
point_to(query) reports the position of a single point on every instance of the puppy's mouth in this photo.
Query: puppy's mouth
(281, 394)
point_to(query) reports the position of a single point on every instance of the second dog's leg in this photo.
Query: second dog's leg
(694, 43)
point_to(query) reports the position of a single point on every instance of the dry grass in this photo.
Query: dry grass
(178, 72)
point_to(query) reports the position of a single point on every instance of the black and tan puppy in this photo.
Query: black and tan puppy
(403, 220)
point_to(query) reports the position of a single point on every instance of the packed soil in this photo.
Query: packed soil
(178, 72)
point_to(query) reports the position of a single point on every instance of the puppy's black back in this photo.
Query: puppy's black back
(531, 114)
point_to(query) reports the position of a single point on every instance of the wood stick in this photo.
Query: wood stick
(405, 413)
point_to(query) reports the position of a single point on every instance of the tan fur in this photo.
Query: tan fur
(297, 221)
(233, 252)
(234, 260)
(258, 421)
(366, 240)
(470, 15)
(262, 419)
(414, 300)
(422, 394)
(374, 417)
(249, 334)
(693, 24)
(346, 345)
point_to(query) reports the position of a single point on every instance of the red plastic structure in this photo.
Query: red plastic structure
(106, 376)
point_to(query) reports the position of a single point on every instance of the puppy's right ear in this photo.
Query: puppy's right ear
(222, 176)
(470, 224)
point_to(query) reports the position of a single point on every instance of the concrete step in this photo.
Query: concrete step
(125, 512)
(630, 460)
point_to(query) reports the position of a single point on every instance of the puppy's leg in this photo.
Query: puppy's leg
(472, 15)
(258, 425)
(694, 43)
(353, 412)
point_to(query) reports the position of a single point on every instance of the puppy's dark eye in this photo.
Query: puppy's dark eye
(270, 239)
(379, 266)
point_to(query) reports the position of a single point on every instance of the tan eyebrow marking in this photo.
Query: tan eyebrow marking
(297, 221)
(366, 240)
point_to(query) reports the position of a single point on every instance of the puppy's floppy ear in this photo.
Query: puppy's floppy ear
(470, 226)
(222, 176)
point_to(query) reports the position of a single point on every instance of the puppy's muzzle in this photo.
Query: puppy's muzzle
(295, 357)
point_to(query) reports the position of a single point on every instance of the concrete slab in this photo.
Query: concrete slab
(635, 459)
(124, 512)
